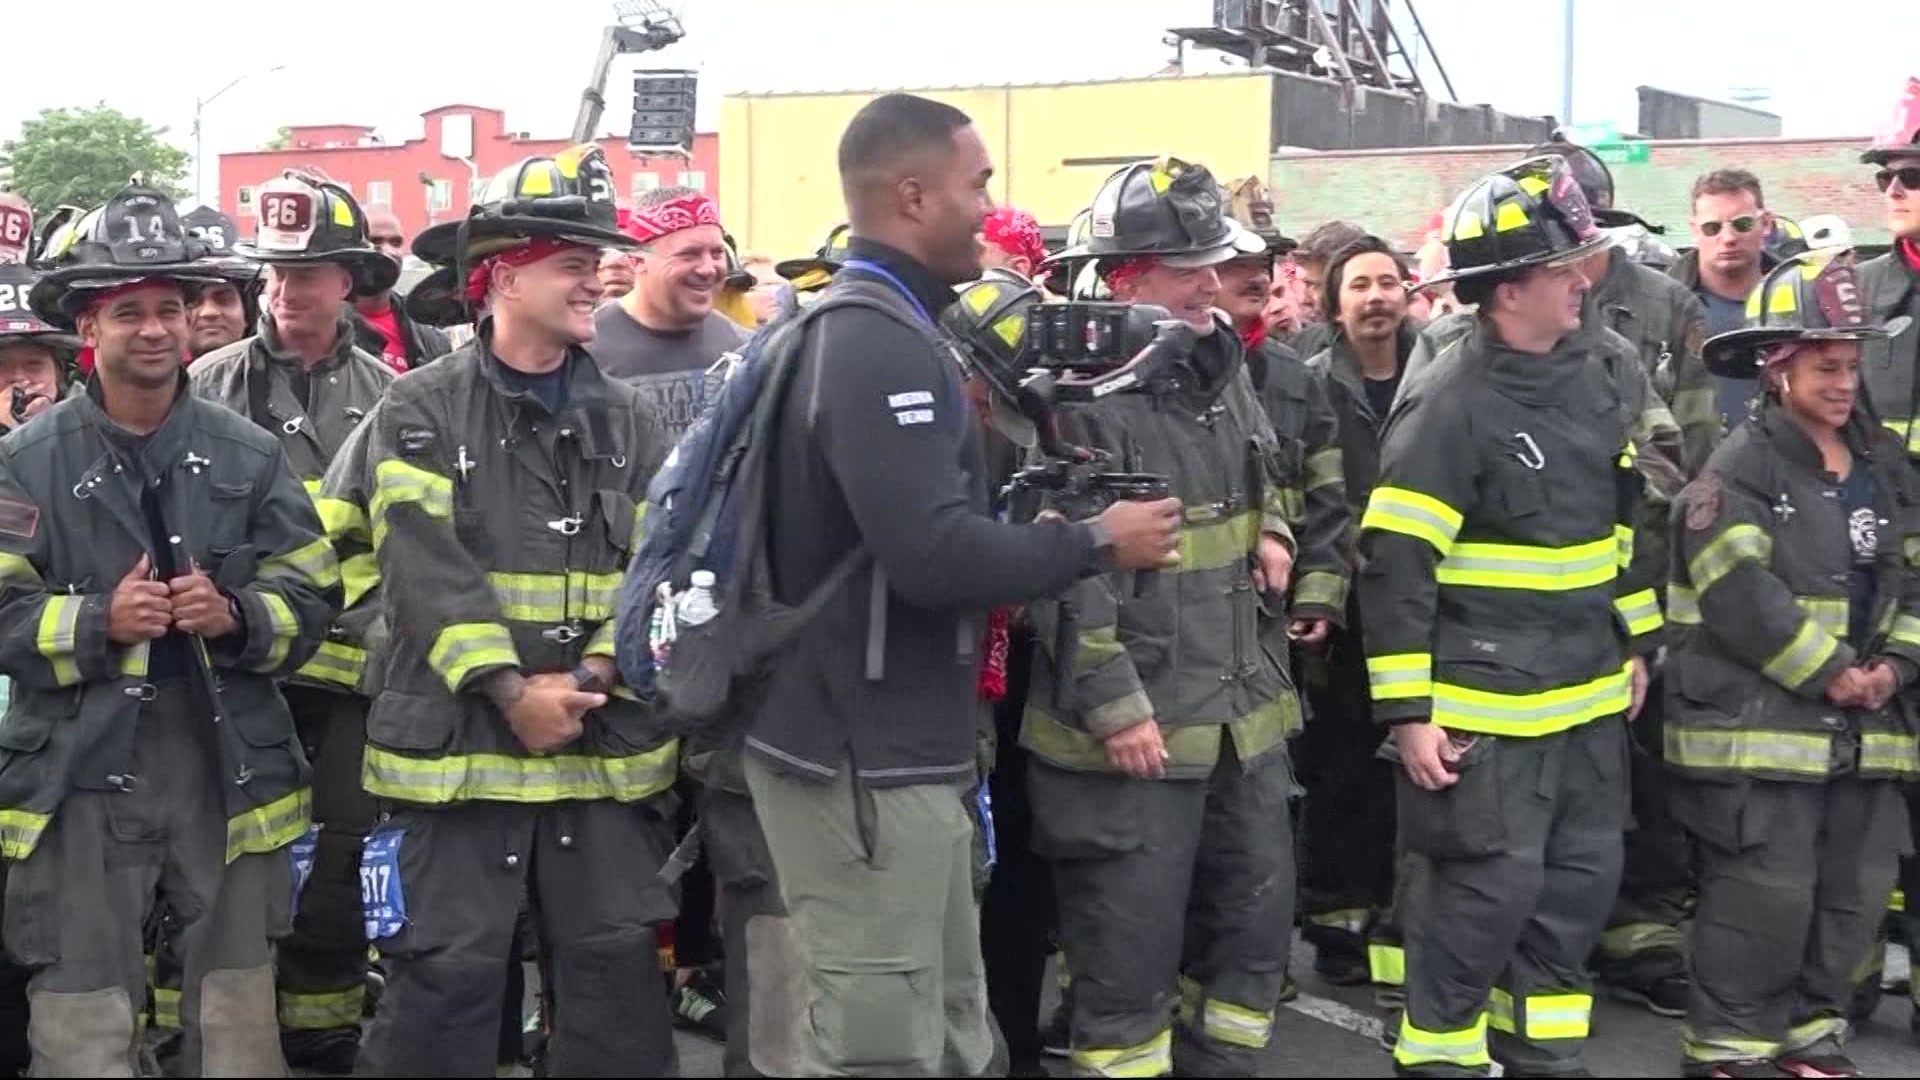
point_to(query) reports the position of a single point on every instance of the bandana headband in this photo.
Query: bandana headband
(649, 223)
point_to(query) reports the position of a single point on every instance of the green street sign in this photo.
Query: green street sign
(1634, 152)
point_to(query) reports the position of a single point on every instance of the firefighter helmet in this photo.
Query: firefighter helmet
(1902, 133)
(17, 319)
(1250, 202)
(989, 321)
(135, 235)
(1785, 239)
(811, 273)
(437, 300)
(304, 219)
(1529, 214)
(1814, 296)
(219, 234)
(16, 228)
(1167, 209)
(568, 196)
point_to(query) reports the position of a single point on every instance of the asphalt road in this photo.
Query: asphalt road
(1334, 1031)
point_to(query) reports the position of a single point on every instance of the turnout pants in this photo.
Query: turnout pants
(1171, 885)
(1794, 881)
(766, 969)
(592, 869)
(1512, 871)
(322, 972)
(879, 885)
(1643, 943)
(77, 908)
(1347, 821)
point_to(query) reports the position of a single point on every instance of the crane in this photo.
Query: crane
(639, 26)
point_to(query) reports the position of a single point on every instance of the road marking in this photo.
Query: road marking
(1340, 1016)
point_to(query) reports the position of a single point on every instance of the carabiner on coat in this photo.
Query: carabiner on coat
(1529, 453)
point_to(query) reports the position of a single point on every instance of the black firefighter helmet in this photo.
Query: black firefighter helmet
(1168, 209)
(133, 236)
(305, 219)
(1596, 183)
(219, 234)
(988, 319)
(1901, 136)
(811, 273)
(18, 321)
(1814, 296)
(1526, 215)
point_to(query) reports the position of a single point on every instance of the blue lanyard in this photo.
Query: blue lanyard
(879, 271)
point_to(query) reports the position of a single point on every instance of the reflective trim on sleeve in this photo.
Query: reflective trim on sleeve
(1526, 566)
(336, 664)
(13, 569)
(1640, 611)
(282, 625)
(1829, 613)
(313, 562)
(58, 633)
(1908, 431)
(20, 832)
(1720, 555)
(463, 648)
(1623, 546)
(1209, 542)
(1695, 408)
(1412, 514)
(1396, 678)
(602, 643)
(1321, 587)
(1097, 646)
(1906, 630)
(1324, 467)
(1802, 657)
(359, 575)
(340, 517)
(1683, 606)
(396, 482)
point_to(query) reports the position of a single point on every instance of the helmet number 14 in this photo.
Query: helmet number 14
(156, 229)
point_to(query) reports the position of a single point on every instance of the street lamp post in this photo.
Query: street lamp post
(199, 105)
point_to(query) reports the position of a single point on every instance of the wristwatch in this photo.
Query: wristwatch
(589, 680)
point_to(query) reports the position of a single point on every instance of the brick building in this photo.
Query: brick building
(431, 179)
(1394, 192)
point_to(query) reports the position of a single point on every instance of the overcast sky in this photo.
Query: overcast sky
(383, 62)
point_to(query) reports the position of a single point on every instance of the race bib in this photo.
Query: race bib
(983, 811)
(301, 855)
(382, 904)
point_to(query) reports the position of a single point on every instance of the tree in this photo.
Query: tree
(81, 156)
(282, 139)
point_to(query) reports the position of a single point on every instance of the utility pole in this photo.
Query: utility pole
(1566, 67)
(199, 105)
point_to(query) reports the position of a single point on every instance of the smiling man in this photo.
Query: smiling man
(664, 334)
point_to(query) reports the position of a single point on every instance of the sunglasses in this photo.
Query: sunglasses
(1745, 223)
(1909, 178)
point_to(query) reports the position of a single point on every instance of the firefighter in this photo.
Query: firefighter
(1796, 610)
(1347, 832)
(498, 488)
(1160, 778)
(1890, 370)
(1505, 641)
(304, 380)
(226, 309)
(163, 568)
(1641, 956)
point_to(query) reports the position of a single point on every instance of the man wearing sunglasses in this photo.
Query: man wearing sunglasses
(1730, 224)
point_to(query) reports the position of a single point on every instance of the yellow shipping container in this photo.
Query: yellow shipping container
(1051, 145)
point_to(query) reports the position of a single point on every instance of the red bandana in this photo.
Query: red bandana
(530, 252)
(1910, 253)
(992, 682)
(649, 223)
(1253, 335)
(1128, 270)
(1015, 232)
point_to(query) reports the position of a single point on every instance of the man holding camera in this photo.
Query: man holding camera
(1160, 708)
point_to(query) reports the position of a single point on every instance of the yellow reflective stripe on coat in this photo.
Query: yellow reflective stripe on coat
(166, 1008)
(1623, 546)
(337, 663)
(1683, 606)
(1259, 730)
(1906, 630)
(1097, 646)
(270, 827)
(1411, 513)
(1692, 408)
(1321, 587)
(463, 648)
(1405, 675)
(1829, 613)
(505, 778)
(396, 482)
(1802, 657)
(1324, 467)
(1527, 566)
(1542, 713)
(1884, 752)
(1792, 752)
(602, 643)
(340, 517)
(1640, 611)
(1911, 546)
(15, 568)
(20, 832)
(1236, 1025)
(58, 633)
(1465, 1048)
(552, 598)
(1209, 541)
(1557, 1016)
(1908, 431)
(1151, 1058)
(1724, 552)
(359, 575)
(323, 1011)
(313, 562)
(284, 627)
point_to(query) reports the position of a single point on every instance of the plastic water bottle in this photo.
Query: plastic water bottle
(696, 605)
